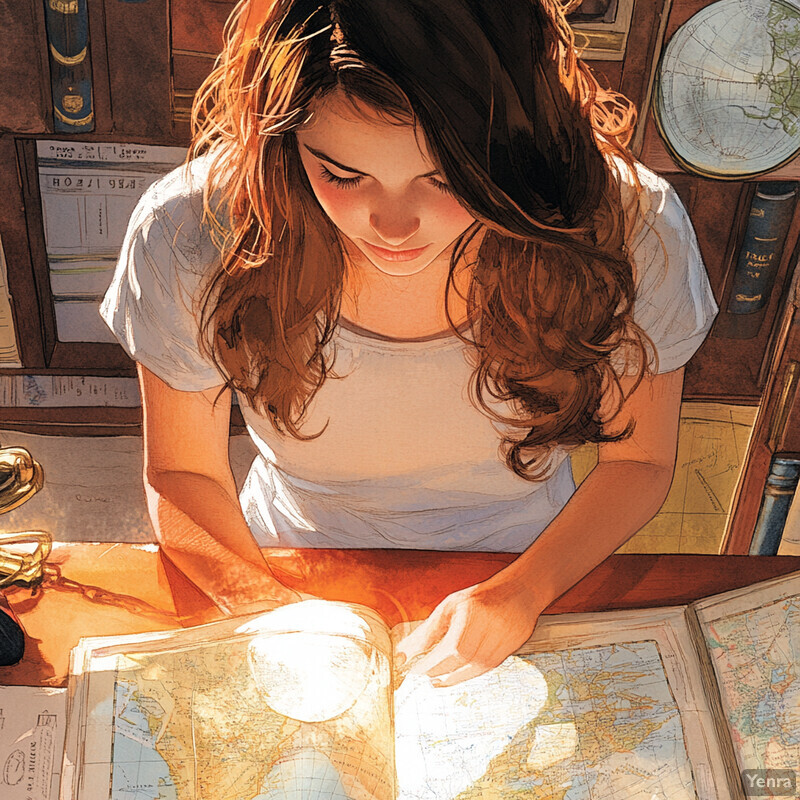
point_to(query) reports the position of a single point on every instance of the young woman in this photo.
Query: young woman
(411, 239)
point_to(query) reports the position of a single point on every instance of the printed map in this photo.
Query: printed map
(756, 656)
(598, 723)
(588, 722)
(192, 724)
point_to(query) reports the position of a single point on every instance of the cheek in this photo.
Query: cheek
(341, 206)
(449, 214)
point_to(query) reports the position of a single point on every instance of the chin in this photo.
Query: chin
(404, 269)
(401, 269)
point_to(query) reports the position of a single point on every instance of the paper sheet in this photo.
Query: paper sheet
(32, 725)
(712, 443)
(9, 354)
(89, 191)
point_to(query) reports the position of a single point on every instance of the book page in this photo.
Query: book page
(293, 703)
(594, 706)
(753, 639)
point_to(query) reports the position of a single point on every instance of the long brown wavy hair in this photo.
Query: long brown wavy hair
(524, 135)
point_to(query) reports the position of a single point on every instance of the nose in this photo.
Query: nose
(394, 226)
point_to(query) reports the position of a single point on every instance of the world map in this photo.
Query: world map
(193, 724)
(727, 94)
(584, 723)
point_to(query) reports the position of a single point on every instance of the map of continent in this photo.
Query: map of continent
(756, 656)
(589, 723)
(728, 88)
(192, 724)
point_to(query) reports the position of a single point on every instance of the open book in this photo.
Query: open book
(301, 702)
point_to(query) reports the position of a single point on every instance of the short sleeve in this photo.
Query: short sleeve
(674, 303)
(151, 304)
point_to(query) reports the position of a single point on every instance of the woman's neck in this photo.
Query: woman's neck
(404, 306)
(407, 306)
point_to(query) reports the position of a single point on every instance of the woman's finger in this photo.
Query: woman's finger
(463, 673)
(414, 646)
(453, 650)
(440, 661)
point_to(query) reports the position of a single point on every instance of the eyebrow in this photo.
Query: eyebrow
(319, 154)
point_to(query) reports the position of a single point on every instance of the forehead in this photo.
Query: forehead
(353, 133)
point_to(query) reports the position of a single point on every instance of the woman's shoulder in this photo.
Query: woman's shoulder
(172, 217)
(176, 193)
(647, 199)
(153, 301)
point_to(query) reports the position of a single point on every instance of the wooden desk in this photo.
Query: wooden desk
(398, 584)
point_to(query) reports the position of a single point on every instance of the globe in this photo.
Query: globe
(727, 92)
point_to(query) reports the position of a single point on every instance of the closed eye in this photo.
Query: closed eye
(442, 187)
(338, 180)
(351, 183)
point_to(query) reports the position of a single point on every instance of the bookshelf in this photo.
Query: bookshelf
(147, 60)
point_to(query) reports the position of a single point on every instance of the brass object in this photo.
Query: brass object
(21, 476)
(20, 567)
(23, 555)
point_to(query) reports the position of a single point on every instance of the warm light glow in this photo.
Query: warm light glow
(311, 661)
(448, 736)
(551, 744)
(310, 616)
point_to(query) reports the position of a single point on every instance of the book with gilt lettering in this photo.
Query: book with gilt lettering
(679, 703)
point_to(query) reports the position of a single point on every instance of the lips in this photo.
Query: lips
(396, 255)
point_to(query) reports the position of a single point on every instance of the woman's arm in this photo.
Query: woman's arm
(473, 630)
(192, 497)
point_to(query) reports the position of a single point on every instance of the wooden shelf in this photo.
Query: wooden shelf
(656, 156)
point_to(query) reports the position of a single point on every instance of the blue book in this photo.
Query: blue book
(67, 25)
(762, 247)
(778, 493)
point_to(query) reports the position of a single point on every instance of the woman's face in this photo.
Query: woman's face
(377, 183)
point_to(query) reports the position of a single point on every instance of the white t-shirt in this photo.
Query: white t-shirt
(406, 461)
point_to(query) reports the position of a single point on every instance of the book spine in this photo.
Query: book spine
(711, 692)
(778, 493)
(761, 249)
(67, 25)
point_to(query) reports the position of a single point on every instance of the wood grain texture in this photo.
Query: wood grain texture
(399, 584)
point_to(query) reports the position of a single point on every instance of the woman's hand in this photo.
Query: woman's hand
(471, 631)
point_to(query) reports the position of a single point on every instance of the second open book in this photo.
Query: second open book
(301, 703)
